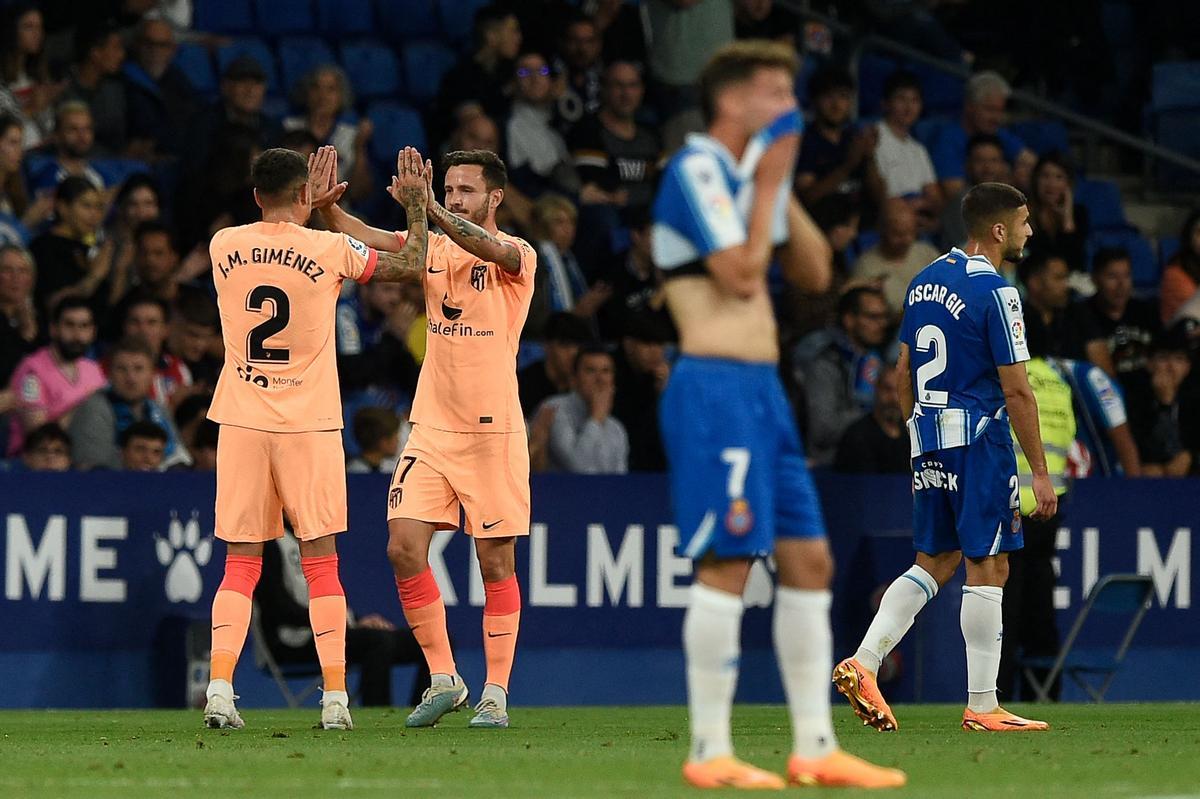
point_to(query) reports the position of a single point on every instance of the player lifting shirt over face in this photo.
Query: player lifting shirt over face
(468, 449)
(278, 404)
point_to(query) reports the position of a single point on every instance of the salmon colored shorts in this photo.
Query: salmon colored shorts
(261, 476)
(484, 474)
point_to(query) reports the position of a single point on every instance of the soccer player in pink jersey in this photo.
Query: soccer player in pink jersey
(277, 401)
(468, 448)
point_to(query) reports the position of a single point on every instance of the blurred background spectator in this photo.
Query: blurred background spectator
(584, 436)
(878, 442)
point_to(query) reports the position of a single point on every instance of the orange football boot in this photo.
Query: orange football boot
(858, 685)
(1000, 720)
(729, 772)
(840, 769)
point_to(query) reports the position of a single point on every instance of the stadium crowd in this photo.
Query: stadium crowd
(127, 131)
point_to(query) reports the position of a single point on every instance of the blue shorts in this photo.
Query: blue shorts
(738, 477)
(965, 498)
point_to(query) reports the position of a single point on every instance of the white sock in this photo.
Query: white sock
(497, 693)
(804, 647)
(331, 697)
(983, 630)
(899, 607)
(712, 629)
(444, 681)
(222, 688)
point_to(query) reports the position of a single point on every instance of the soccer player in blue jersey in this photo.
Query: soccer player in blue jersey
(962, 354)
(738, 481)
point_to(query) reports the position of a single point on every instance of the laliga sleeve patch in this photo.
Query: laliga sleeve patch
(357, 246)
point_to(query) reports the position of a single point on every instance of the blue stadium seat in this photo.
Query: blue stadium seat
(256, 49)
(424, 65)
(942, 92)
(284, 17)
(1102, 198)
(346, 17)
(1174, 86)
(1168, 248)
(396, 125)
(1146, 270)
(1179, 130)
(1042, 135)
(873, 70)
(405, 20)
(926, 130)
(458, 19)
(298, 55)
(196, 63)
(373, 70)
(223, 16)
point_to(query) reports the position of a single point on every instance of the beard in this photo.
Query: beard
(478, 217)
(71, 350)
(1013, 256)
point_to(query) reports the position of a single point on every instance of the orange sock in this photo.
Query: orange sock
(327, 614)
(501, 618)
(231, 614)
(426, 615)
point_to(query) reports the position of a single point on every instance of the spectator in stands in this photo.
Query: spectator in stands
(1181, 278)
(621, 27)
(475, 131)
(50, 384)
(486, 76)
(616, 158)
(143, 447)
(47, 449)
(239, 110)
(222, 194)
(93, 78)
(905, 169)
(190, 416)
(641, 375)
(1166, 413)
(195, 332)
(585, 437)
(834, 158)
(878, 442)
(561, 285)
(69, 262)
(898, 257)
(24, 214)
(984, 111)
(372, 340)
(838, 368)
(1129, 325)
(1070, 331)
(565, 334)
(73, 141)
(160, 98)
(325, 95)
(581, 66)
(373, 644)
(985, 164)
(18, 318)
(764, 19)
(538, 159)
(683, 36)
(1060, 225)
(380, 434)
(636, 283)
(24, 71)
(137, 202)
(154, 270)
(146, 318)
(96, 428)
(204, 447)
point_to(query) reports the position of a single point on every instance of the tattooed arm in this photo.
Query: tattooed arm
(410, 188)
(476, 240)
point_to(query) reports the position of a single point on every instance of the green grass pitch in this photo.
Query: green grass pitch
(1150, 750)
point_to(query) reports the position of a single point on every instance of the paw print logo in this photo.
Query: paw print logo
(1014, 305)
(183, 551)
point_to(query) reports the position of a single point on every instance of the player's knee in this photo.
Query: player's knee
(406, 557)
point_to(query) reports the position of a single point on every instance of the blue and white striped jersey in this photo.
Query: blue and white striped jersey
(961, 321)
(704, 201)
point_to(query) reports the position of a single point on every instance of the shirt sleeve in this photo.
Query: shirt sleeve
(528, 258)
(694, 215)
(1106, 397)
(359, 260)
(1006, 327)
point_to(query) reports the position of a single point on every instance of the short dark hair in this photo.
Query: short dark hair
(737, 62)
(198, 309)
(279, 174)
(140, 299)
(899, 80)
(988, 203)
(195, 405)
(139, 180)
(299, 139)
(851, 301)
(829, 78)
(567, 328)
(72, 188)
(50, 431)
(70, 304)
(1036, 265)
(588, 350)
(495, 174)
(142, 429)
(1053, 158)
(488, 17)
(1106, 256)
(207, 435)
(985, 140)
(89, 37)
(371, 425)
(151, 227)
(131, 345)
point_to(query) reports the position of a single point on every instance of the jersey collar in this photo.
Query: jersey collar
(705, 142)
(978, 259)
